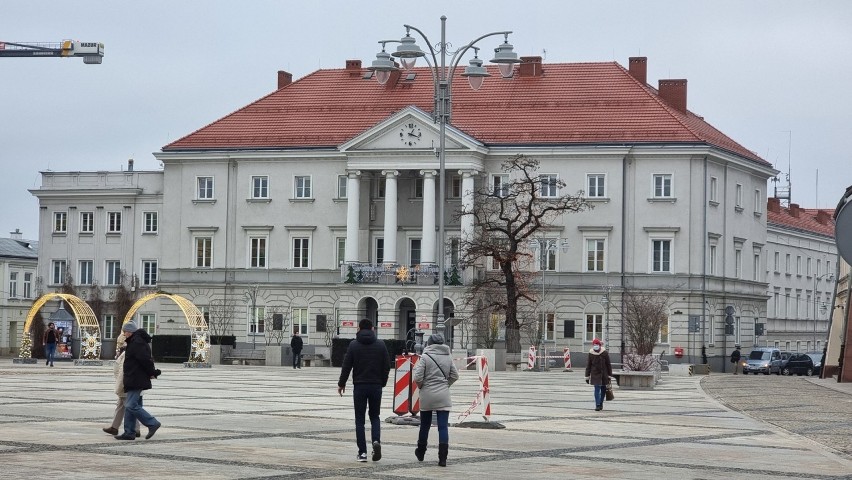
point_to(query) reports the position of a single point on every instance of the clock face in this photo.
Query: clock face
(410, 134)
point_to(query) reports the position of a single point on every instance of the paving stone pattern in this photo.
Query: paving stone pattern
(254, 422)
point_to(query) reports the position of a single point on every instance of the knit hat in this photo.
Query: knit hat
(436, 339)
(597, 341)
(129, 327)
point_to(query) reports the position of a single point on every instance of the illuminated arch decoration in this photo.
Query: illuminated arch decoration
(194, 318)
(90, 331)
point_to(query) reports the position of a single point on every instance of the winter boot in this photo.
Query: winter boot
(420, 451)
(442, 454)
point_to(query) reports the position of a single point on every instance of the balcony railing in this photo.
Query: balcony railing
(396, 274)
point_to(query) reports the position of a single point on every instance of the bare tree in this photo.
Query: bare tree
(220, 315)
(644, 314)
(274, 336)
(505, 217)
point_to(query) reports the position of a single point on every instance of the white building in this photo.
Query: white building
(334, 170)
(18, 262)
(802, 273)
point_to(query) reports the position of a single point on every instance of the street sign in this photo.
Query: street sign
(347, 324)
(385, 324)
(424, 326)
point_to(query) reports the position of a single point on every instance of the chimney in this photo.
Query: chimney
(130, 165)
(284, 79)
(639, 69)
(795, 211)
(773, 204)
(530, 67)
(353, 67)
(673, 92)
(823, 217)
(16, 235)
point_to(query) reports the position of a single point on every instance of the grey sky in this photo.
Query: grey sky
(756, 70)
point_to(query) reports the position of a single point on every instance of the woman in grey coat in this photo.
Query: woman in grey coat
(433, 374)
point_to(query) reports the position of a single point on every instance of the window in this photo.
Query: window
(108, 326)
(87, 222)
(58, 272)
(799, 265)
(737, 329)
(149, 272)
(257, 252)
(756, 267)
(300, 320)
(455, 190)
(303, 186)
(738, 263)
(663, 337)
(798, 305)
(148, 322)
(595, 186)
(301, 253)
(151, 224)
(500, 185)
(203, 251)
(818, 266)
(113, 222)
(776, 304)
(418, 187)
(86, 268)
(787, 264)
(595, 255)
(663, 185)
(547, 258)
(808, 266)
(758, 201)
(342, 184)
(711, 330)
(788, 301)
(260, 186)
(380, 250)
(828, 266)
(13, 284)
(113, 272)
(257, 315)
(594, 326)
(712, 259)
(662, 256)
(205, 188)
(549, 322)
(341, 250)
(455, 251)
(808, 304)
(714, 186)
(28, 285)
(549, 185)
(414, 246)
(60, 222)
(777, 262)
(739, 196)
(381, 183)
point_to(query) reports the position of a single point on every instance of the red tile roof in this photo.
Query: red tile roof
(568, 104)
(805, 222)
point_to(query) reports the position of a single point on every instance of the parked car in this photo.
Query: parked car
(800, 364)
(817, 359)
(784, 357)
(763, 360)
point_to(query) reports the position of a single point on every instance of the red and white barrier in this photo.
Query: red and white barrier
(531, 358)
(566, 354)
(402, 385)
(483, 396)
(414, 398)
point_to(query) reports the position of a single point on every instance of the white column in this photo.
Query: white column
(427, 251)
(353, 202)
(467, 204)
(390, 215)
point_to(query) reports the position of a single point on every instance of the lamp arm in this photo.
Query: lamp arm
(432, 52)
(459, 54)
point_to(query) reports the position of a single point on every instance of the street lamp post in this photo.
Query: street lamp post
(545, 246)
(250, 296)
(829, 277)
(605, 299)
(442, 77)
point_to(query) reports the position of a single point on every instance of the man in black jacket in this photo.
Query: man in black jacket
(296, 345)
(138, 372)
(368, 360)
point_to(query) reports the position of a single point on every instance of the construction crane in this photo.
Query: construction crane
(92, 52)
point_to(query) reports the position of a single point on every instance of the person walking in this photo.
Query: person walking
(296, 345)
(598, 371)
(735, 358)
(368, 360)
(118, 371)
(433, 374)
(49, 341)
(138, 371)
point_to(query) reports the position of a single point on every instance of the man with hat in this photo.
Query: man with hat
(598, 371)
(368, 360)
(138, 372)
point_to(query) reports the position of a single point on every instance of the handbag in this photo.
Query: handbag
(610, 396)
(447, 378)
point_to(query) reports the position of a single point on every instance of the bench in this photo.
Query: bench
(245, 357)
(317, 358)
(514, 360)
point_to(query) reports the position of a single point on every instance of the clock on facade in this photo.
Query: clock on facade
(410, 134)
